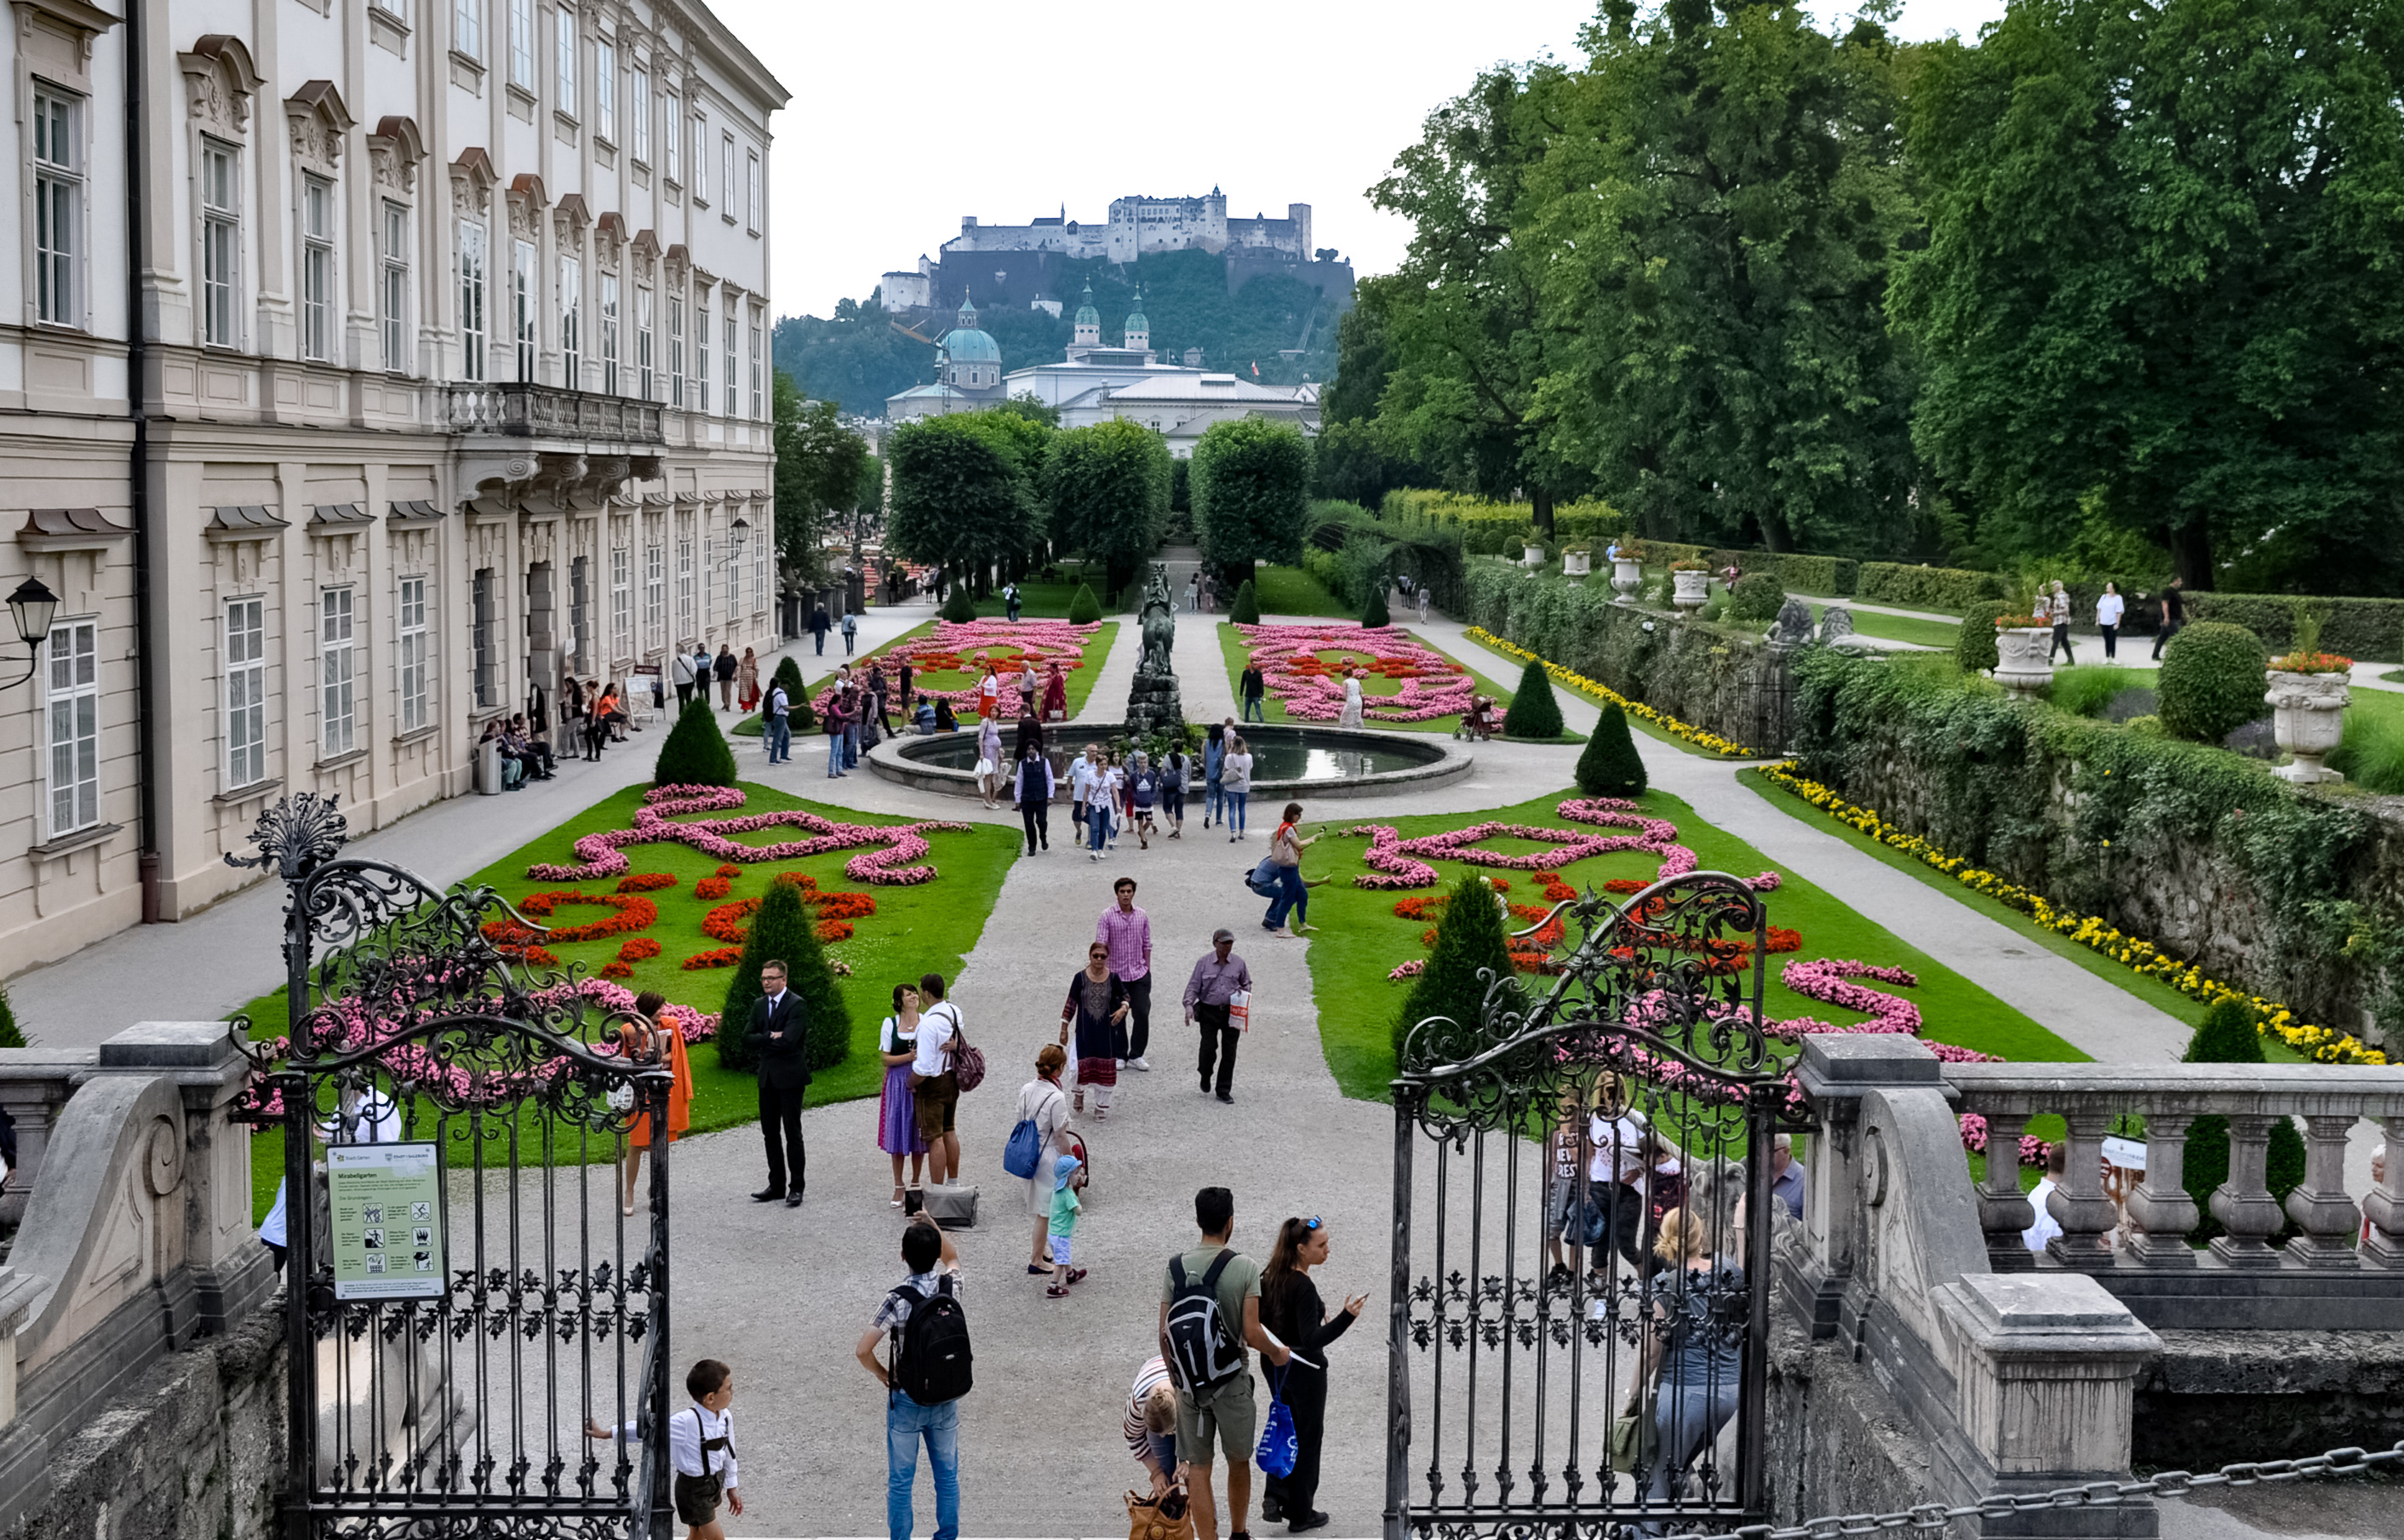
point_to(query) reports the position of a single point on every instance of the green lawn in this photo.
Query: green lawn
(1040, 600)
(916, 930)
(1935, 633)
(1359, 940)
(1232, 645)
(1081, 680)
(1291, 591)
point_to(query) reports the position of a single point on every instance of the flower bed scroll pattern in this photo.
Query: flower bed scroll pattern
(898, 861)
(1312, 689)
(956, 646)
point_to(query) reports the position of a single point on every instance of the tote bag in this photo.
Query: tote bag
(1239, 1009)
(1280, 1447)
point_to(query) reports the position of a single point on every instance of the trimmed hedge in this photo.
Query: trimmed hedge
(1246, 611)
(2213, 680)
(2356, 628)
(1757, 597)
(1974, 639)
(1836, 575)
(1928, 587)
(961, 606)
(1084, 608)
(1609, 766)
(1469, 941)
(1533, 713)
(694, 752)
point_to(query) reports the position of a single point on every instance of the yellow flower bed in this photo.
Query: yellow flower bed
(1726, 748)
(2141, 957)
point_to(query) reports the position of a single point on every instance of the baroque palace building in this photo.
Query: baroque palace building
(449, 379)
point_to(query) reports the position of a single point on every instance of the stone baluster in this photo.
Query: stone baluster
(2319, 1204)
(2004, 1210)
(2161, 1206)
(2078, 1204)
(2244, 1204)
(2384, 1207)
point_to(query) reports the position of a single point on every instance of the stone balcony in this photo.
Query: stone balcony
(541, 450)
(567, 418)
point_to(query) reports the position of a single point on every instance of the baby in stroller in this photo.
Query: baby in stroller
(1477, 722)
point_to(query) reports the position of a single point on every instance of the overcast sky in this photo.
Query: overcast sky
(906, 117)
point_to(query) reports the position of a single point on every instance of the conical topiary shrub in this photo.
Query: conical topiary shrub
(960, 607)
(695, 752)
(1534, 713)
(1246, 611)
(1373, 614)
(1468, 938)
(782, 930)
(2228, 1036)
(1611, 767)
(11, 1035)
(799, 719)
(1084, 608)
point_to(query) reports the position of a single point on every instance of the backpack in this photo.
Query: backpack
(967, 1064)
(1023, 1156)
(1202, 1346)
(931, 1349)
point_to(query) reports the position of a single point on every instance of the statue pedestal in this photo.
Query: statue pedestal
(1153, 706)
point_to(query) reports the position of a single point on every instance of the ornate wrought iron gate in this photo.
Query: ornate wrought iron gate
(465, 1290)
(1533, 1288)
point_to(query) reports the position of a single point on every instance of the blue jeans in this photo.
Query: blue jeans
(905, 1422)
(835, 753)
(1097, 821)
(851, 746)
(1254, 711)
(1236, 801)
(1293, 898)
(1687, 1416)
(780, 739)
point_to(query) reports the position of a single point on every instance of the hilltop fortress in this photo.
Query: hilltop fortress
(1020, 264)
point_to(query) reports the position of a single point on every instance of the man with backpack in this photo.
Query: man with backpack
(1209, 1311)
(927, 1372)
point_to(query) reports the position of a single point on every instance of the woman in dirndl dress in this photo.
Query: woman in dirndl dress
(897, 1110)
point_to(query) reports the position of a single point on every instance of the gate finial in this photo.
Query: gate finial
(296, 834)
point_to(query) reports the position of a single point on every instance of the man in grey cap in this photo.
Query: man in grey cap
(1219, 976)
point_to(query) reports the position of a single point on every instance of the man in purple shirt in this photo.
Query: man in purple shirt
(1207, 995)
(1127, 931)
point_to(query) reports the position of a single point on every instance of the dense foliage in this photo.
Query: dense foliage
(1246, 611)
(1533, 712)
(964, 488)
(798, 718)
(1469, 941)
(783, 932)
(1252, 489)
(1084, 608)
(822, 485)
(1108, 486)
(1974, 639)
(1757, 597)
(694, 752)
(2213, 680)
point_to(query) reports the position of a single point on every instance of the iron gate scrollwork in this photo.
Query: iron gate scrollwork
(417, 1020)
(1540, 1277)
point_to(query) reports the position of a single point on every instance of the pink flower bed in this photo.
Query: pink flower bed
(897, 862)
(1293, 673)
(1397, 864)
(955, 644)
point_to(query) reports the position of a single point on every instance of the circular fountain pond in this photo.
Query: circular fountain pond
(1320, 762)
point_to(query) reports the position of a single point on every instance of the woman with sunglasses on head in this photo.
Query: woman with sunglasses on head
(1293, 1312)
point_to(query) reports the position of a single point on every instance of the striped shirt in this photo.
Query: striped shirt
(1149, 1378)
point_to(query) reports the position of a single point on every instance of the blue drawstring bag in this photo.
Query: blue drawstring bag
(1025, 1151)
(1280, 1447)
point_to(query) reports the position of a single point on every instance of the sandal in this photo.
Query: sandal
(897, 1195)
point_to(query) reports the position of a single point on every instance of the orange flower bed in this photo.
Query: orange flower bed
(712, 888)
(646, 882)
(724, 957)
(730, 871)
(635, 913)
(638, 949)
(616, 970)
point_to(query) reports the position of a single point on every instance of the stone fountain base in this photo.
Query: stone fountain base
(1153, 706)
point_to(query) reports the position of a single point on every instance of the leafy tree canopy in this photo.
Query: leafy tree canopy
(822, 472)
(963, 491)
(1108, 486)
(1251, 491)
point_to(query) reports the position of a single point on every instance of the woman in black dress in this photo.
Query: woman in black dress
(1096, 1012)
(1292, 1311)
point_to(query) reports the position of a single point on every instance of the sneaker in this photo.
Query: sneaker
(1076, 1275)
(1057, 1291)
(1138, 1064)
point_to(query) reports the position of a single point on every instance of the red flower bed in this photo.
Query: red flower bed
(616, 970)
(834, 929)
(724, 957)
(712, 888)
(730, 870)
(638, 949)
(646, 882)
(725, 923)
(635, 913)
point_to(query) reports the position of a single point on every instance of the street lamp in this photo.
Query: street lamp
(30, 608)
(742, 530)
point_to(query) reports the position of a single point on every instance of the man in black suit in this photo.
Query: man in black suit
(779, 1032)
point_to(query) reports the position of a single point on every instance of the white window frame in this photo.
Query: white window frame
(564, 61)
(413, 655)
(655, 590)
(672, 125)
(571, 323)
(58, 239)
(751, 190)
(604, 89)
(726, 176)
(621, 603)
(522, 308)
(338, 702)
(474, 323)
(645, 343)
(684, 590)
(220, 201)
(733, 403)
(701, 354)
(700, 157)
(760, 566)
(392, 298)
(759, 407)
(522, 45)
(71, 717)
(317, 296)
(468, 29)
(245, 666)
(675, 350)
(638, 107)
(609, 333)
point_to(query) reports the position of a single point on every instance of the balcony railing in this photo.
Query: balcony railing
(548, 412)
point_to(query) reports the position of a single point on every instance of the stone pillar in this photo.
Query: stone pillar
(2045, 1367)
(1836, 1071)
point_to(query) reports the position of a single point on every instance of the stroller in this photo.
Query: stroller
(1476, 723)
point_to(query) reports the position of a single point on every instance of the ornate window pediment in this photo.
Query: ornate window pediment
(569, 220)
(609, 236)
(526, 204)
(219, 80)
(472, 180)
(393, 150)
(320, 122)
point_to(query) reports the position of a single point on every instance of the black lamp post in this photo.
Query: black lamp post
(30, 608)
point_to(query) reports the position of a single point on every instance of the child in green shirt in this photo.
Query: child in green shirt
(1067, 1175)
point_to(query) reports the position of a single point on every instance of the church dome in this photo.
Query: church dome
(965, 343)
(1086, 314)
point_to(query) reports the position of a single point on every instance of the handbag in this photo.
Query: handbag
(1633, 1438)
(951, 1205)
(1280, 1445)
(1168, 1519)
(983, 765)
(967, 1064)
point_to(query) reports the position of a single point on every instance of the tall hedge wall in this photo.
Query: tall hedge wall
(2358, 628)
(1936, 587)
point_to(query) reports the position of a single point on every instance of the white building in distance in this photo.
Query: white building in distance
(451, 380)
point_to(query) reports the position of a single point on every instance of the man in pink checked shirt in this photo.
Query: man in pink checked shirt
(1126, 932)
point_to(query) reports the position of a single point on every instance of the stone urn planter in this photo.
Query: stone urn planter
(1625, 576)
(2307, 716)
(1576, 563)
(1534, 556)
(1692, 590)
(2020, 658)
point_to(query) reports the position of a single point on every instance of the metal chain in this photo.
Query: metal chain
(1933, 1518)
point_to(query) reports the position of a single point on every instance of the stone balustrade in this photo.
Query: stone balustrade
(548, 412)
(2352, 1272)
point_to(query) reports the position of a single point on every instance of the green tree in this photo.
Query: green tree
(1714, 218)
(13, 1035)
(1974, 639)
(1246, 609)
(2227, 1035)
(2154, 285)
(959, 606)
(1084, 608)
(1610, 765)
(1251, 493)
(1468, 940)
(963, 489)
(1033, 408)
(800, 718)
(1533, 712)
(1109, 487)
(1374, 614)
(2213, 680)
(783, 932)
(694, 753)
(821, 469)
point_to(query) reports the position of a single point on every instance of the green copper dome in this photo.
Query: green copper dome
(1086, 314)
(1137, 320)
(965, 343)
